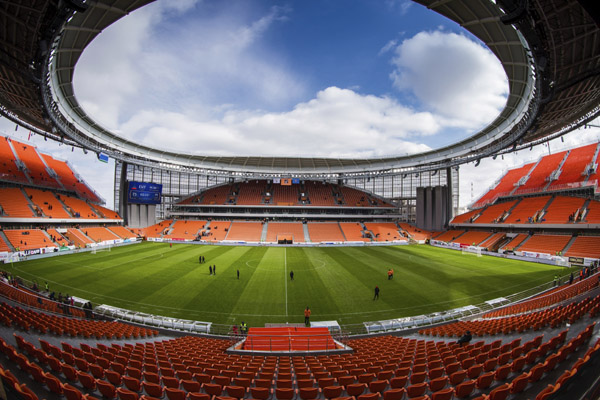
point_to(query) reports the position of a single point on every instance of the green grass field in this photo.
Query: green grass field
(335, 282)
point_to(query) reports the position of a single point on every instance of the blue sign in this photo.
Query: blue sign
(144, 193)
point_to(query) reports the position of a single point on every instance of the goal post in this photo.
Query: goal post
(472, 250)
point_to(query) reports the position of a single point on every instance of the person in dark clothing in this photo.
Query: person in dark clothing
(200, 260)
(210, 269)
(466, 338)
(214, 269)
(376, 293)
(238, 274)
(292, 275)
(307, 316)
(571, 279)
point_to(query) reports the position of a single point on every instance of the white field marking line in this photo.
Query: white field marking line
(285, 278)
(73, 265)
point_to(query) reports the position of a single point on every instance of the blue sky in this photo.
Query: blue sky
(332, 78)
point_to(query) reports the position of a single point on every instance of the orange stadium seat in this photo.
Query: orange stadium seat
(99, 234)
(8, 167)
(80, 209)
(573, 168)
(527, 210)
(384, 231)
(561, 208)
(325, 232)
(245, 231)
(538, 178)
(26, 239)
(122, 232)
(185, 230)
(38, 171)
(506, 185)
(550, 244)
(217, 231)
(279, 229)
(353, 232)
(48, 203)
(14, 203)
(69, 180)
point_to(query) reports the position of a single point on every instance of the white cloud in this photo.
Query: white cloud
(337, 123)
(452, 76)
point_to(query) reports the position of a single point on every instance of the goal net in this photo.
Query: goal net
(106, 247)
(474, 251)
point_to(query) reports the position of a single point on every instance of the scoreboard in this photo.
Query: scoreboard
(144, 193)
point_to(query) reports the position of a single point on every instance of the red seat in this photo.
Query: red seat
(398, 382)
(438, 384)
(394, 394)
(260, 393)
(485, 380)
(86, 380)
(368, 396)
(355, 389)
(331, 392)
(53, 384)
(416, 390)
(378, 386)
(175, 394)
(519, 383)
(237, 392)
(106, 389)
(153, 389)
(464, 390)
(444, 394)
(284, 393)
(500, 393)
(125, 394)
(204, 396)
(308, 393)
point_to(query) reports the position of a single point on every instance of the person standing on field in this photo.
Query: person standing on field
(291, 275)
(307, 316)
(376, 297)
(210, 269)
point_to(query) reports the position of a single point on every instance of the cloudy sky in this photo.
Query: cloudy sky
(358, 78)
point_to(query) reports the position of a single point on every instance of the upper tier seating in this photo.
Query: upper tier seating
(585, 246)
(573, 170)
(550, 244)
(245, 231)
(216, 195)
(27, 239)
(285, 229)
(285, 195)
(186, 230)
(515, 242)
(526, 211)
(325, 232)
(473, 238)
(48, 203)
(99, 234)
(538, 178)
(561, 208)
(15, 204)
(492, 213)
(353, 231)
(449, 236)
(466, 217)
(38, 171)
(357, 198)
(505, 186)
(384, 231)
(8, 167)
(251, 193)
(122, 232)
(69, 180)
(217, 231)
(80, 209)
(319, 194)
(107, 213)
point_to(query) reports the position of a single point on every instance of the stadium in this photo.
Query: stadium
(230, 276)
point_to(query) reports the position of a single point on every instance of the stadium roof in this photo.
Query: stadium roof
(549, 50)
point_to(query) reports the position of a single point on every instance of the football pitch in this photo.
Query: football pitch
(337, 283)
